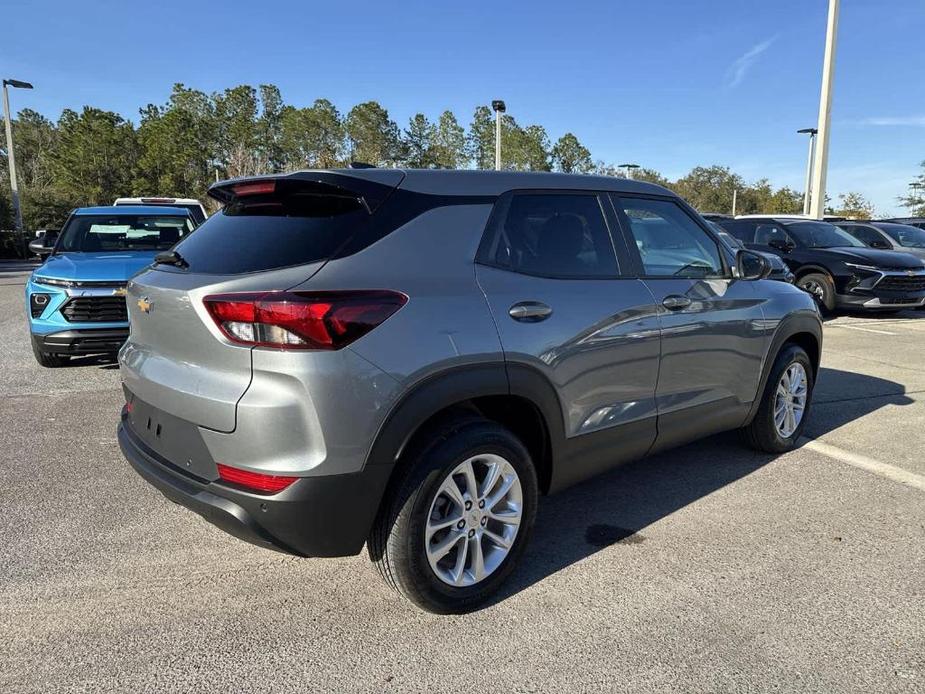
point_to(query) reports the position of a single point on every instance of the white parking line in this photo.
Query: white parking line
(897, 474)
(858, 327)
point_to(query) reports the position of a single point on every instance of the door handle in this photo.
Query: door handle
(530, 311)
(676, 302)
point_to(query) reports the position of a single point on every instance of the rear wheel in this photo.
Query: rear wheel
(785, 403)
(821, 288)
(48, 359)
(460, 519)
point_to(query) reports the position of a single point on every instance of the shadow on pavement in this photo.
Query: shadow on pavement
(616, 508)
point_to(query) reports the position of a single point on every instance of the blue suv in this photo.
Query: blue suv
(76, 299)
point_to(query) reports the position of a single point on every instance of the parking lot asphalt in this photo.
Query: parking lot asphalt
(708, 568)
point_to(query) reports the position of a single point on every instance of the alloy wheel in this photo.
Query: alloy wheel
(790, 400)
(473, 520)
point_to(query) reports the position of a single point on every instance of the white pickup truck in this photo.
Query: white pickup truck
(196, 210)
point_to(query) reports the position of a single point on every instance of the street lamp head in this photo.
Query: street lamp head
(629, 166)
(807, 131)
(17, 84)
(498, 105)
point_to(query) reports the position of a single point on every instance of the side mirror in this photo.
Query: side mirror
(781, 245)
(752, 265)
(38, 247)
(44, 244)
(880, 243)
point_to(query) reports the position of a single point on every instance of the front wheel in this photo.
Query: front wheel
(459, 521)
(821, 288)
(781, 416)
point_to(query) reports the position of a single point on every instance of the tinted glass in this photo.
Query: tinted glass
(120, 232)
(556, 235)
(265, 232)
(822, 235)
(866, 235)
(905, 235)
(670, 242)
(744, 231)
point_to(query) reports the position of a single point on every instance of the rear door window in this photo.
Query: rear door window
(558, 235)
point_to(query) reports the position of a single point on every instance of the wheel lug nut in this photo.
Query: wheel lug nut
(484, 521)
(472, 533)
(461, 524)
(482, 503)
(468, 505)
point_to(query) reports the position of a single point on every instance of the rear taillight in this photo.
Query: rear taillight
(254, 481)
(301, 320)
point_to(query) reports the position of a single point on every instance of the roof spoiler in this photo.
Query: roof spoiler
(370, 186)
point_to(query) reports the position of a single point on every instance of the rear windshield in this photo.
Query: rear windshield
(122, 232)
(265, 232)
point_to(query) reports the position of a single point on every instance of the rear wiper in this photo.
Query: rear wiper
(171, 258)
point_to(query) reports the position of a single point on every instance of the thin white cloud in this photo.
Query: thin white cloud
(741, 65)
(902, 121)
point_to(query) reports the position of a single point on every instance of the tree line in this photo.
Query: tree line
(182, 146)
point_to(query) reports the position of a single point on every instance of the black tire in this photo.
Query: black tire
(821, 287)
(47, 359)
(396, 544)
(762, 434)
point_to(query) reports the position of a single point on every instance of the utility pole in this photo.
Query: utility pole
(820, 166)
(17, 209)
(735, 196)
(499, 108)
(807, 190)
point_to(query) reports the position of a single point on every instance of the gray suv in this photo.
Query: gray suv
(408, 359)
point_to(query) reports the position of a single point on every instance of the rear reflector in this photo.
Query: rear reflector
(257, 188)
(301, 320)
(254, 481)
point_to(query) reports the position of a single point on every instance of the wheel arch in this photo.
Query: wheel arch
(812, 268)
(516, 397)
(803, 329)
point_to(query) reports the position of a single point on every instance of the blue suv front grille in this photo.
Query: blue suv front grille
(95, 309)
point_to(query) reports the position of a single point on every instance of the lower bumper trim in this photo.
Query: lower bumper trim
(328, 516)
(87, 341)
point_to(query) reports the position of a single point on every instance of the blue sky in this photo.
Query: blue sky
(667, 84)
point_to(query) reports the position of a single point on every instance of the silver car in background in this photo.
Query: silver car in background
(408, 359)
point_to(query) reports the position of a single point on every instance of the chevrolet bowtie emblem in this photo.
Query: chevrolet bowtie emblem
(144, 305)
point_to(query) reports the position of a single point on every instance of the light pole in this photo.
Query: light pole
(807, 190)
(499, 108)
(17, 210)
(821, 164)
(629, 168)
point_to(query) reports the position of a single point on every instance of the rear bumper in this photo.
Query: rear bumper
(82, 341)
(327, 516)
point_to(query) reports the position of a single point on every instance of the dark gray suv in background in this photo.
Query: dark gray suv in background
(408, 359)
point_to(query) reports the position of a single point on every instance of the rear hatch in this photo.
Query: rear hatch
(272, 234)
